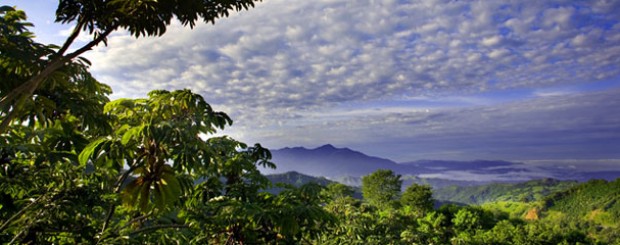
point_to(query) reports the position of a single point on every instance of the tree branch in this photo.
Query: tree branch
(26, 90)
(137, 219)
(117, 190)
(22, 211)
(92, 43)
(157, 227)
(74, 34)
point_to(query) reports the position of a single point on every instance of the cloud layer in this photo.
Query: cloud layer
(306, 72)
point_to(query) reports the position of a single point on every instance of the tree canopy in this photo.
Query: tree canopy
(419, 198)
(79, 168)
(381, 188)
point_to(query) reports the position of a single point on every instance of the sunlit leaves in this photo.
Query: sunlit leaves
(418, 199)
(69, 88)
(19, 54)
(158, 138)
(381, 188)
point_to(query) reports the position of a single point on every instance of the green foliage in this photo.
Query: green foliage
(76, 168)
(336, 191)
(144, 18)
(381, 188)
(583, 199)
(513, 210)
(593, 206)
(417, 198)
(293, 178)
(529, 191)
(68, 89)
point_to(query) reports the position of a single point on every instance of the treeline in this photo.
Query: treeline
(555, 212)
(409, 218)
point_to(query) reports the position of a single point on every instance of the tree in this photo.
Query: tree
(381, 188)
(77, 168)
(335, 191)
(418, 199)
(100, 18)
(42, 186)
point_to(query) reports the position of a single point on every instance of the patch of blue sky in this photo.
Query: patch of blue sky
(41, 14)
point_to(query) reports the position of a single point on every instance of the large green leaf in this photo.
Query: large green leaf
(92, 150)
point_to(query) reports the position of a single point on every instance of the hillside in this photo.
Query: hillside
(596, 200)
(297, 179)
(514, 192)
(294, 179)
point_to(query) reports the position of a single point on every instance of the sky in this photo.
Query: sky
(533, 81)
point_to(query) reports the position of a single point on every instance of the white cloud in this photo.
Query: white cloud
(491, 41)
(289, 60)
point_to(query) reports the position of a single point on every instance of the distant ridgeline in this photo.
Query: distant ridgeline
(348, 166)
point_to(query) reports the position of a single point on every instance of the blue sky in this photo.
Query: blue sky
(535, 81)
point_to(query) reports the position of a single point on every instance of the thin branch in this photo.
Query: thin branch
(22, 211)
(122, 178)
(92, 43)
(26, 90)
(16, 236)
(27, 228)
(74, 34)
(118, 184)
(157, 227)
(137, 219)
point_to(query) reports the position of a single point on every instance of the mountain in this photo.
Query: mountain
(348, 166)
(327, 161)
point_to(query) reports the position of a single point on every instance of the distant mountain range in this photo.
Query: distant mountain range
(348, 166)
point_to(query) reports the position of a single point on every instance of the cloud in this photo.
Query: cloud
(582, 125)
(287, 70)
(320, 52)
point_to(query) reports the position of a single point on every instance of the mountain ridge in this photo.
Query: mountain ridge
(336, 163)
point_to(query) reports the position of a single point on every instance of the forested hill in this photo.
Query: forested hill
(596, 201)
(297, 179)
(516, 192)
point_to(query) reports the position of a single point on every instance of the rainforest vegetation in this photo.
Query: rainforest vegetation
(77, 168)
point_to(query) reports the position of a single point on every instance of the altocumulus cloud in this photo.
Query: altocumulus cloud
(290, 67)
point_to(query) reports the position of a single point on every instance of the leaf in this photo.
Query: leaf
(90, 150)
(159, 196)
(171, 187)
(144, 197)
(131, 134)
(130, 194)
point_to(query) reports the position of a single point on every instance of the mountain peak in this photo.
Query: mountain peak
(326, 147)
